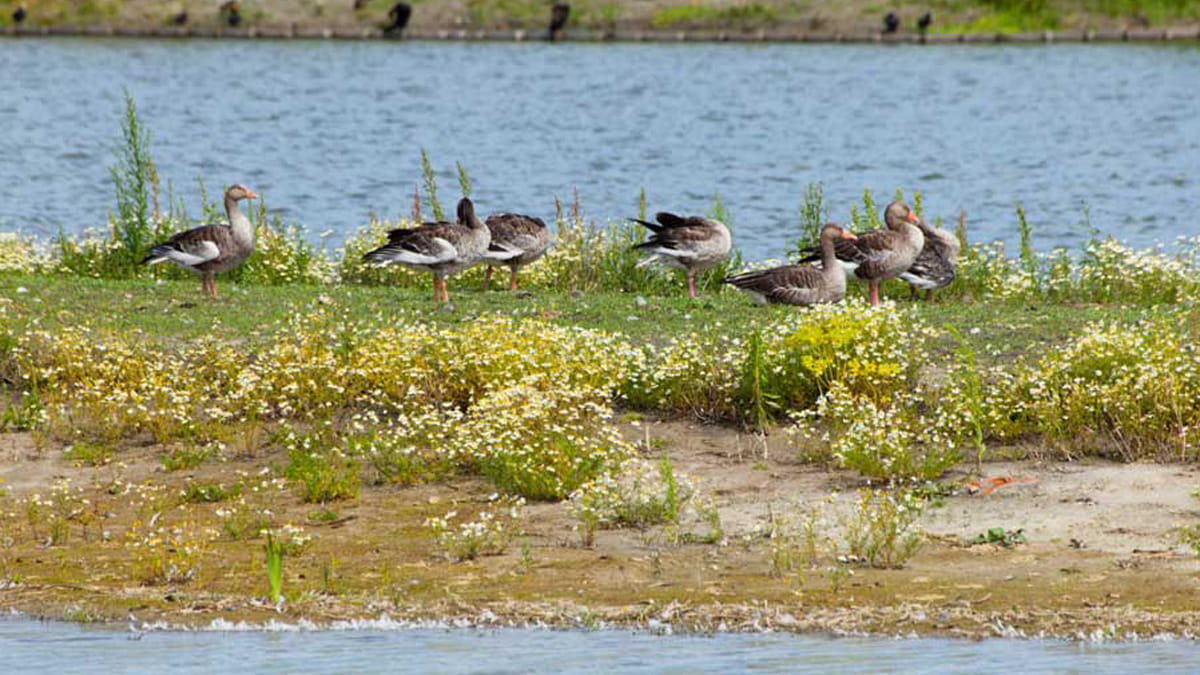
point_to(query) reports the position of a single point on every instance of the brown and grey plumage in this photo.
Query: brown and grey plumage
(211, 249)
(691, 243)
(934, 266)
(441, 248)
(883, 254)
(517, 241)
(800, 284)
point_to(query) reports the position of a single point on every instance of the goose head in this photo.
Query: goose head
(833, 231)
(466, 214)
(899, 213)
(238, 192)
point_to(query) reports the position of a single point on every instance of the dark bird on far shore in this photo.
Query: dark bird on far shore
(559, 14)
(359, 4)
(18, 14)
(925, 21)
(398, 17)
(180, 18)
(891, 23)
(232, 11)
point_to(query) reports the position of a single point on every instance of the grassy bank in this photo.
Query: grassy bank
(859, 16)
(153, 440)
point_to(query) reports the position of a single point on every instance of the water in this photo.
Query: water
(331, 131)
(29, 646)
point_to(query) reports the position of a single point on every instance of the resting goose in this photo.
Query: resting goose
(517, 241)
(884, 254)
(934, 266)
(441, 248)
(692, 244)
(211, 248)
(800, 284)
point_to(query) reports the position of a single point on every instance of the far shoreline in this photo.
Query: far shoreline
(292, 31)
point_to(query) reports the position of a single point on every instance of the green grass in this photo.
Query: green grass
(174, 311)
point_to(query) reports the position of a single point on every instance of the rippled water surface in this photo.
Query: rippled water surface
(331, 131)
(29, 646)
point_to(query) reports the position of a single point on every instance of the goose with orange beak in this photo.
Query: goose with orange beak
(879, 255)
(801, 285)
(211, 249)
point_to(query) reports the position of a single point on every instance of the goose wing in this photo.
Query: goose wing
(193, 247)
(790, 284)
(933, 268)
(678, 236)
(428, 244)
(514, 235)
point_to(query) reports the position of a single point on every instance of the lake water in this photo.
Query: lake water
(330, 131)
(28, 646)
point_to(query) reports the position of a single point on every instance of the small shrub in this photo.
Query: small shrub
(637, 495)
(208, 493)
(1000, 537)
(893, 441)
(166, 554)
(90, 454)
(489, 534)
(882, 529)
(541, 444)
(796, 537)
(324, 476)
(241, 521)
(188, 457)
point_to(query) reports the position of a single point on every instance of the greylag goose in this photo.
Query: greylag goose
(517, 241)
(211, 248)
(441, 248)
(934, 266)
(692, 244)
(881, 254)
(800, 284)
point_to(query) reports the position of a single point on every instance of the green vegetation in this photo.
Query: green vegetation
(882, 529)
(273, 549)
(744, 16)
(209, 493)
(1000, 537)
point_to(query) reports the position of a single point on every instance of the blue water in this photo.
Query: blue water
(30, 646)
(331, 131)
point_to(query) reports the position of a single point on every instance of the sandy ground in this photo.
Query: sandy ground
(1101, 552)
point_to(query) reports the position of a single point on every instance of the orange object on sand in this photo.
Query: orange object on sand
(989, 485)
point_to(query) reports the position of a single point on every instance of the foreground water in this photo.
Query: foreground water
(331, 131)
(30, 646)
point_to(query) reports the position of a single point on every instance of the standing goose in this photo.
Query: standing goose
(441, 248)
(211, 248)
(934, 266)
(517, 241)
(884, 254)
(692, 244)
(800, 284)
